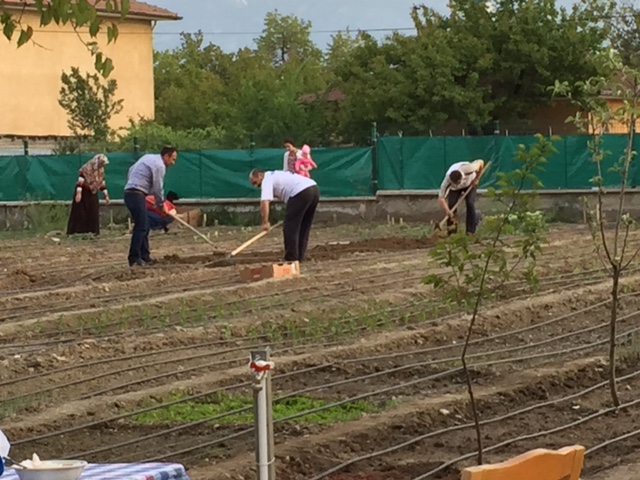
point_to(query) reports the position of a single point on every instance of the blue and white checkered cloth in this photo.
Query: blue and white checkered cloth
(124, 471)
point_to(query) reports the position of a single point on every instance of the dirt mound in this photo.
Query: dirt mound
(19, 278)
(377, 245)
(329, 251)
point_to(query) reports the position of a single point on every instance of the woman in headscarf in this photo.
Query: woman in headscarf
(85, 208)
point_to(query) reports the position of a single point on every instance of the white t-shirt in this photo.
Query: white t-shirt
(283, 185)
(468, 171)
(285, 160)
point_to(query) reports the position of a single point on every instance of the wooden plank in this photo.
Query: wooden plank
(540, 464)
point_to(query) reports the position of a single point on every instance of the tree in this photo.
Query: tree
(90, 104)
(594, 117)
(286, 37)
(512, 53)
(190, 84)
(624, 25)
(80, 14)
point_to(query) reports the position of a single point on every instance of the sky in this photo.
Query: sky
(234, 24)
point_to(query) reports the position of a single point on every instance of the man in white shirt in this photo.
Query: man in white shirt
(300, 195)
(461, 177)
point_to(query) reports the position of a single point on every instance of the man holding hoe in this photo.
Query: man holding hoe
(460, 178)
(300, 195)
(146, 177)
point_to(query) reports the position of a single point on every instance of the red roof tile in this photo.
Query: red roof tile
(138, 9)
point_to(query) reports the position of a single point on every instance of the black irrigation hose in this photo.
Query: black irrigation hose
(236, 301)
(165, 361)
(236, 359)
(193, 369)
(94, 363)
(208, 344)
(621, 438)
(155, 407)
(74, 341)
(306, 390)
(531, 436)
(495, 337)
(115, 297)
(158, 268)
(383, 391)
(129, 369)
(183, 288)
(501, 418)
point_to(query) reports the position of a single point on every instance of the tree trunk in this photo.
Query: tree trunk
(612, 335)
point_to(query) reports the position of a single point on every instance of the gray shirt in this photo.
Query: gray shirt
(147, 175)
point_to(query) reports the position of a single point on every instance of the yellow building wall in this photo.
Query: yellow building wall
(30, 76)
(554, 117)
(617, 127)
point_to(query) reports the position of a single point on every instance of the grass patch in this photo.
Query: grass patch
(219, 404)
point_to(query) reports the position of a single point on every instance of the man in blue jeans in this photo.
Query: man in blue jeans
(146, 177)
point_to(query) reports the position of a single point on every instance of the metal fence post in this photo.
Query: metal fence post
(25, 146)
(261, 366)
(374, 158)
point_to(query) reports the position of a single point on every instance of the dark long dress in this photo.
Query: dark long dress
(85, 215)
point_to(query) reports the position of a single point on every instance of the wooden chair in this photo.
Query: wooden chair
(563, 464)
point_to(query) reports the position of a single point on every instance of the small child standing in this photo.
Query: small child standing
(304, 163)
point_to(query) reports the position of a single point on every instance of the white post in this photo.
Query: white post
(261, 366)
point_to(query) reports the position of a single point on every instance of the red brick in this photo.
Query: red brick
(275, 270)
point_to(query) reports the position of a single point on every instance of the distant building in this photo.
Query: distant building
(30, 75)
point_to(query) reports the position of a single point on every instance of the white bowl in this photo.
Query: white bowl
(53, 470)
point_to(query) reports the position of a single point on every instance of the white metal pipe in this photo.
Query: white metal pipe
(263, 439)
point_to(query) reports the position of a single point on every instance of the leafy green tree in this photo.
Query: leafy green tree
(150, 136)
(190, 84)
(80, 14)
(90, 104)
(513, 53)
(285, 38)
(624, 26)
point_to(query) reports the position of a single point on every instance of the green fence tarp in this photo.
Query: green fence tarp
(403, 163)
(342, 172)
(418, 163)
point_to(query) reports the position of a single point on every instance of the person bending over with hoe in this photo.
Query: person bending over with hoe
(300, 195)
(460, 178)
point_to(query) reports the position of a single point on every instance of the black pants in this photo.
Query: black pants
(301, 209)
(139, 248)
(470, 203)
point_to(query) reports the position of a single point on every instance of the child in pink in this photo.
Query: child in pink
(304, 163)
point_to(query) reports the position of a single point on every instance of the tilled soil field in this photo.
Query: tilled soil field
(109, 364)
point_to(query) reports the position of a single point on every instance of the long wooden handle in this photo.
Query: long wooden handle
(252, 240)
(194, 230)
(464, 195)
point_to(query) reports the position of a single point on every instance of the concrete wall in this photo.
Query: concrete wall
(30, 75)
(410, 206)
